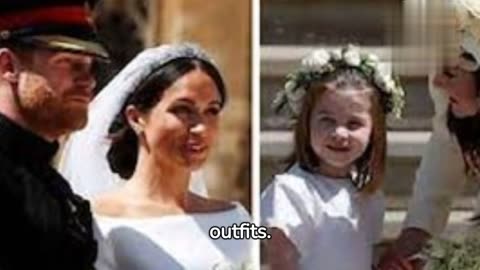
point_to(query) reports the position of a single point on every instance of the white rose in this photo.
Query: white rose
(290, 86)
(336, 55)
(352, 57)
(389, 83)
(316, 60)
(372, 60)
(321, 57)
(379, 78)
(295, 99)
(308, 63)
(296, 95)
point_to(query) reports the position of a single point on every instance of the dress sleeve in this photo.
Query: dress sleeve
(106, 256)
(285, 206)
(439, 178)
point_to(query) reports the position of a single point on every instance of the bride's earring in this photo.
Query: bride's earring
(138, 130)
(135, 120)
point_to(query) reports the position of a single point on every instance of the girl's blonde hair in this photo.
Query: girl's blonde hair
(370, 167)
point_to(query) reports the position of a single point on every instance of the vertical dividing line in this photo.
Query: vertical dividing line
(255, 109)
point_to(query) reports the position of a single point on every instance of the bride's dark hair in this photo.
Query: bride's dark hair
(122, 155)
(467, 130)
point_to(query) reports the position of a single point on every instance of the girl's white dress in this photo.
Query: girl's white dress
(332, 226)
(171, 242)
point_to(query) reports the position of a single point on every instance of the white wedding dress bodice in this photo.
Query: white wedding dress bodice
(171, 242)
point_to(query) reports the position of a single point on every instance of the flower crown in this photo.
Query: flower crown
(321, 63)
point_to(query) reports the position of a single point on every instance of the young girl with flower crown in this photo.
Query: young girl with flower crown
(326, 210)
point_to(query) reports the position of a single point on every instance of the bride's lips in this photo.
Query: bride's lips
(196, 148)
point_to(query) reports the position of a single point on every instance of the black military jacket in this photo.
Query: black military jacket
(43, 225)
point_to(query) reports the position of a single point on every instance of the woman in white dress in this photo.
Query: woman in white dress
(159, 117)
(451, 157)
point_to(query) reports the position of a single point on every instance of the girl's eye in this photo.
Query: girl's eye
(353, 125)
(326, 120)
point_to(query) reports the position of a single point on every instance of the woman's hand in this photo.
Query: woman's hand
(281, 252)
(473, 160)
(398, 256)
(397, 264)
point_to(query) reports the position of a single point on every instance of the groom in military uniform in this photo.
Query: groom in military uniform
(47, 50)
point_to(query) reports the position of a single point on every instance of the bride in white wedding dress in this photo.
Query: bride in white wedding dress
(154, 124)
